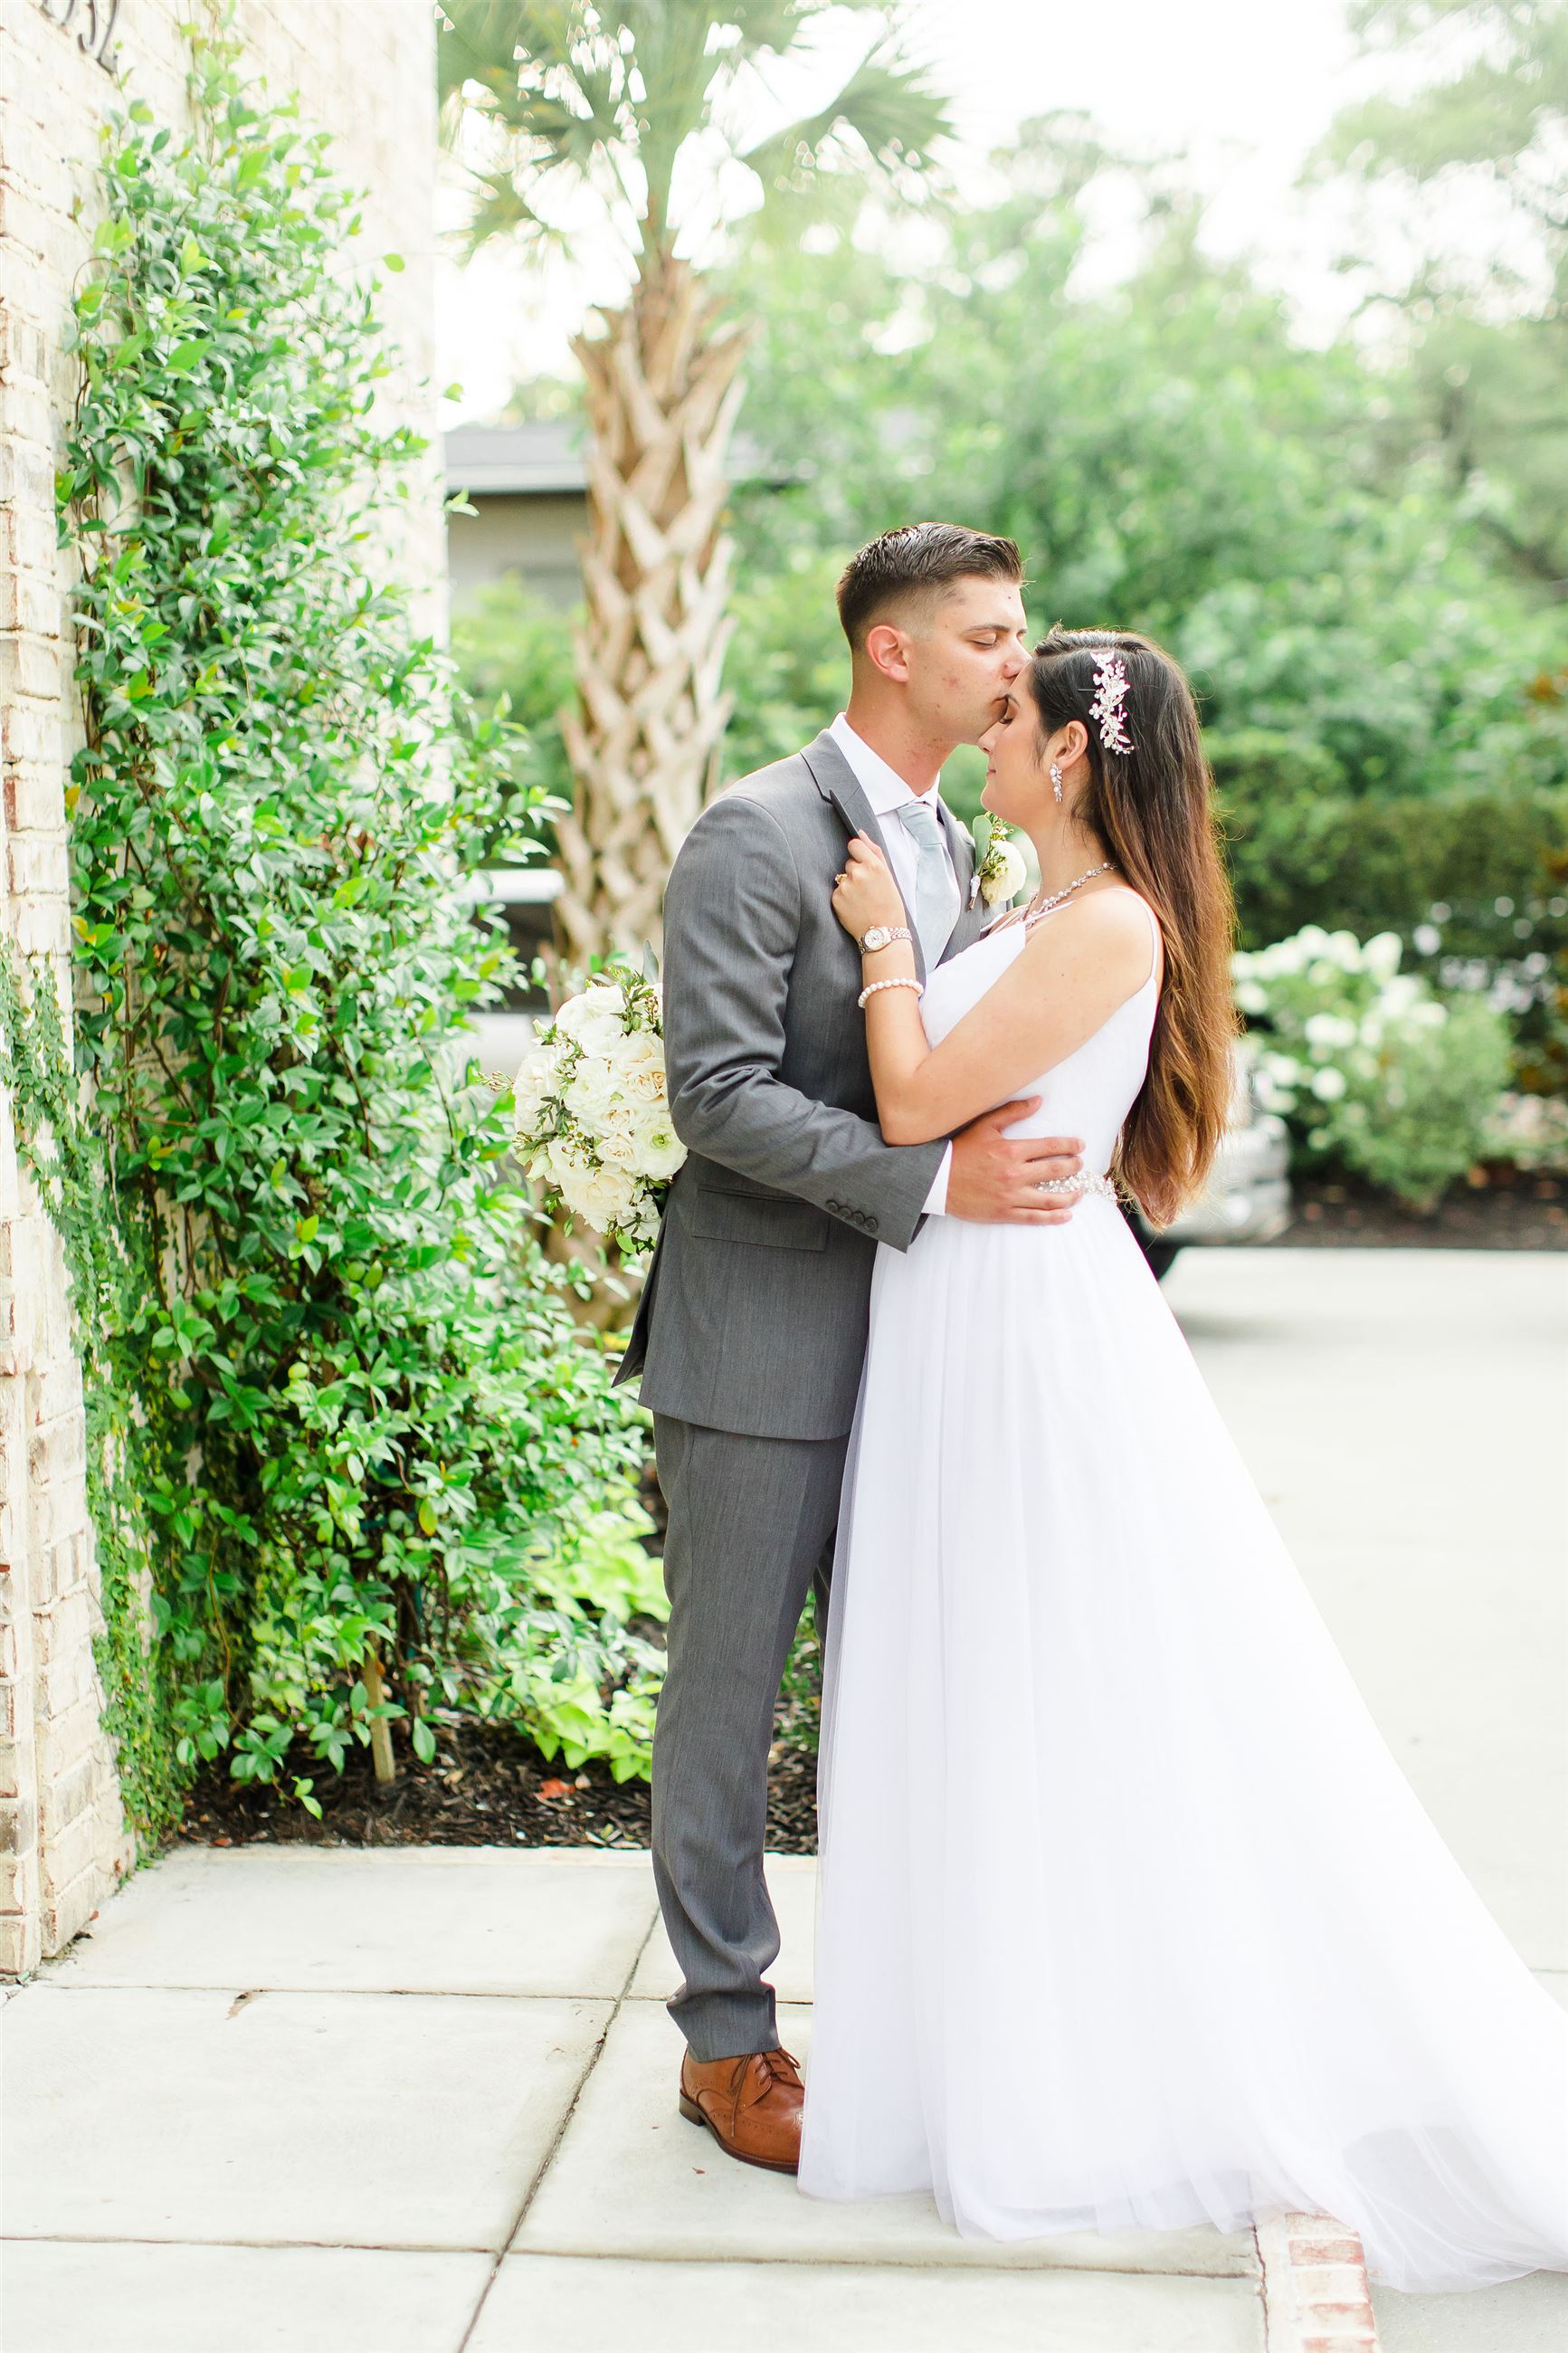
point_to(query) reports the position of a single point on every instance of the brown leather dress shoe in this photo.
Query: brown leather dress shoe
(751, 2105)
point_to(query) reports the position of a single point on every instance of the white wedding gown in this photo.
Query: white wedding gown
(1127, 1916)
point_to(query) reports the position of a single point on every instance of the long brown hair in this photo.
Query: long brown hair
(1152, 808)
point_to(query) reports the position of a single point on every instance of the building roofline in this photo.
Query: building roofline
(545, 459)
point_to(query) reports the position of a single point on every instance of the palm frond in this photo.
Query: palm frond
(888, 112)
(481, 41)
(613, 90)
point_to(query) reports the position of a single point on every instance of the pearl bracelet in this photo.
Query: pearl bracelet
(871, 987)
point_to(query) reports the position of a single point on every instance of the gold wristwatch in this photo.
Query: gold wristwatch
(882, 936)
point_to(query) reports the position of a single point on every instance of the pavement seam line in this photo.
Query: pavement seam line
(342, 1993)
(548, 2159)
(806, 2261)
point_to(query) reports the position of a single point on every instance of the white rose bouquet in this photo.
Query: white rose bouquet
(592, 1108)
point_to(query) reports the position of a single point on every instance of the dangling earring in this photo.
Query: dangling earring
(1057, 779)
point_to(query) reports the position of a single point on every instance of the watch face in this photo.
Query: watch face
(877, 937)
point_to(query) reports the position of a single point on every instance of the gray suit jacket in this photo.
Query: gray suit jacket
(753, 1316)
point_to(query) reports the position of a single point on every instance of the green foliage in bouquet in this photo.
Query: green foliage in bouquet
(354, 1413)
(1368, 1066)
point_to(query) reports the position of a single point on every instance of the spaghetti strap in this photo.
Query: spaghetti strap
(1156, 960)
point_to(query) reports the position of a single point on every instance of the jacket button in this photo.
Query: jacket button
(871, 1225)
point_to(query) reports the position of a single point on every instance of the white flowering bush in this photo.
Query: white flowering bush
(1366, 1064)
(1530, 1131)
(591, 1109)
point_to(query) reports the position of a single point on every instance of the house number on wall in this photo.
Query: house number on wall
(92, 22)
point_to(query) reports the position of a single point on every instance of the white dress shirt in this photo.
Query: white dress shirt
(885, 789)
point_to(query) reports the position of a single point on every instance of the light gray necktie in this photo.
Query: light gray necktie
(936, 886)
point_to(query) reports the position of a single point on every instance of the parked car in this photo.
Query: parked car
(1248, 1197)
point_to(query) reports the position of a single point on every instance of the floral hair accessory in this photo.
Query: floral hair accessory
(1110, 694)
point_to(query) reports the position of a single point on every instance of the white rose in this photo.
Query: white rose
(1328, 1084)
(560, 1164)
(537, 1072)
(594, 1020)
(1251, 997)
(638, 1061)
(601, 1196)
(593, 1091)
(1007, 875)
(1382, 953)
(619, 1141)
(599, 1034)
(660, 1149)
(599, 1001)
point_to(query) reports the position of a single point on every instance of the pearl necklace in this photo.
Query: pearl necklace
(1031, 914)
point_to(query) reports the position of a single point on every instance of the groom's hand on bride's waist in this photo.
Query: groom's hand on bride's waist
(996, 1178)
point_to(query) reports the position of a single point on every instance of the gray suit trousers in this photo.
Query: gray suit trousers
(751, 1522)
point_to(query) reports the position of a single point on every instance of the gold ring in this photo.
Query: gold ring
(838, 878)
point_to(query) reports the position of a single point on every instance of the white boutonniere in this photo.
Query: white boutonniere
(1002, 872)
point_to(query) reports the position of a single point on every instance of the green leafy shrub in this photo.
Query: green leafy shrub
(64, 1156)
(363, 1413)
(600, 1575)
(1367, 1065)
(1303, 851)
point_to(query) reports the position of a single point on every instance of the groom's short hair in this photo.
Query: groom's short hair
(913, 566)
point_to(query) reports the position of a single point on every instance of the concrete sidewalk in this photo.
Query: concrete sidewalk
(313, 2100)
(421, 2101)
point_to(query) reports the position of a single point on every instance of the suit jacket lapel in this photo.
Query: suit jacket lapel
(972, 912)
(836, 782)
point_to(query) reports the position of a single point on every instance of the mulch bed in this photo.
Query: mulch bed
(491, 1787)
(1506, 1210)
(487, 1787)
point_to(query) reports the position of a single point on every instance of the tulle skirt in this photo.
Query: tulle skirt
(1128, 1917)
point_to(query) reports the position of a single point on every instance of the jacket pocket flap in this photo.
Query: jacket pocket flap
(718, 1216)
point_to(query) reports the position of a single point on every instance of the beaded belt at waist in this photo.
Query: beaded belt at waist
(1077, 1186)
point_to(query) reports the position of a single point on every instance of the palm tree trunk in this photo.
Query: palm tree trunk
(663, 388)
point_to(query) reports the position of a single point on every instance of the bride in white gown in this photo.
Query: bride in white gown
(1128, 1917)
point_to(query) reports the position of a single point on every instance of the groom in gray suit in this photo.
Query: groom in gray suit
(752, 1331)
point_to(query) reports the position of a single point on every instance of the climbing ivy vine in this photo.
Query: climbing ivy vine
(344, 1424)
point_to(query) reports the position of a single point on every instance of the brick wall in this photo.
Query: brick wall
(362, 69)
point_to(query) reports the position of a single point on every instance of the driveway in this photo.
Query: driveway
(421, 2101)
